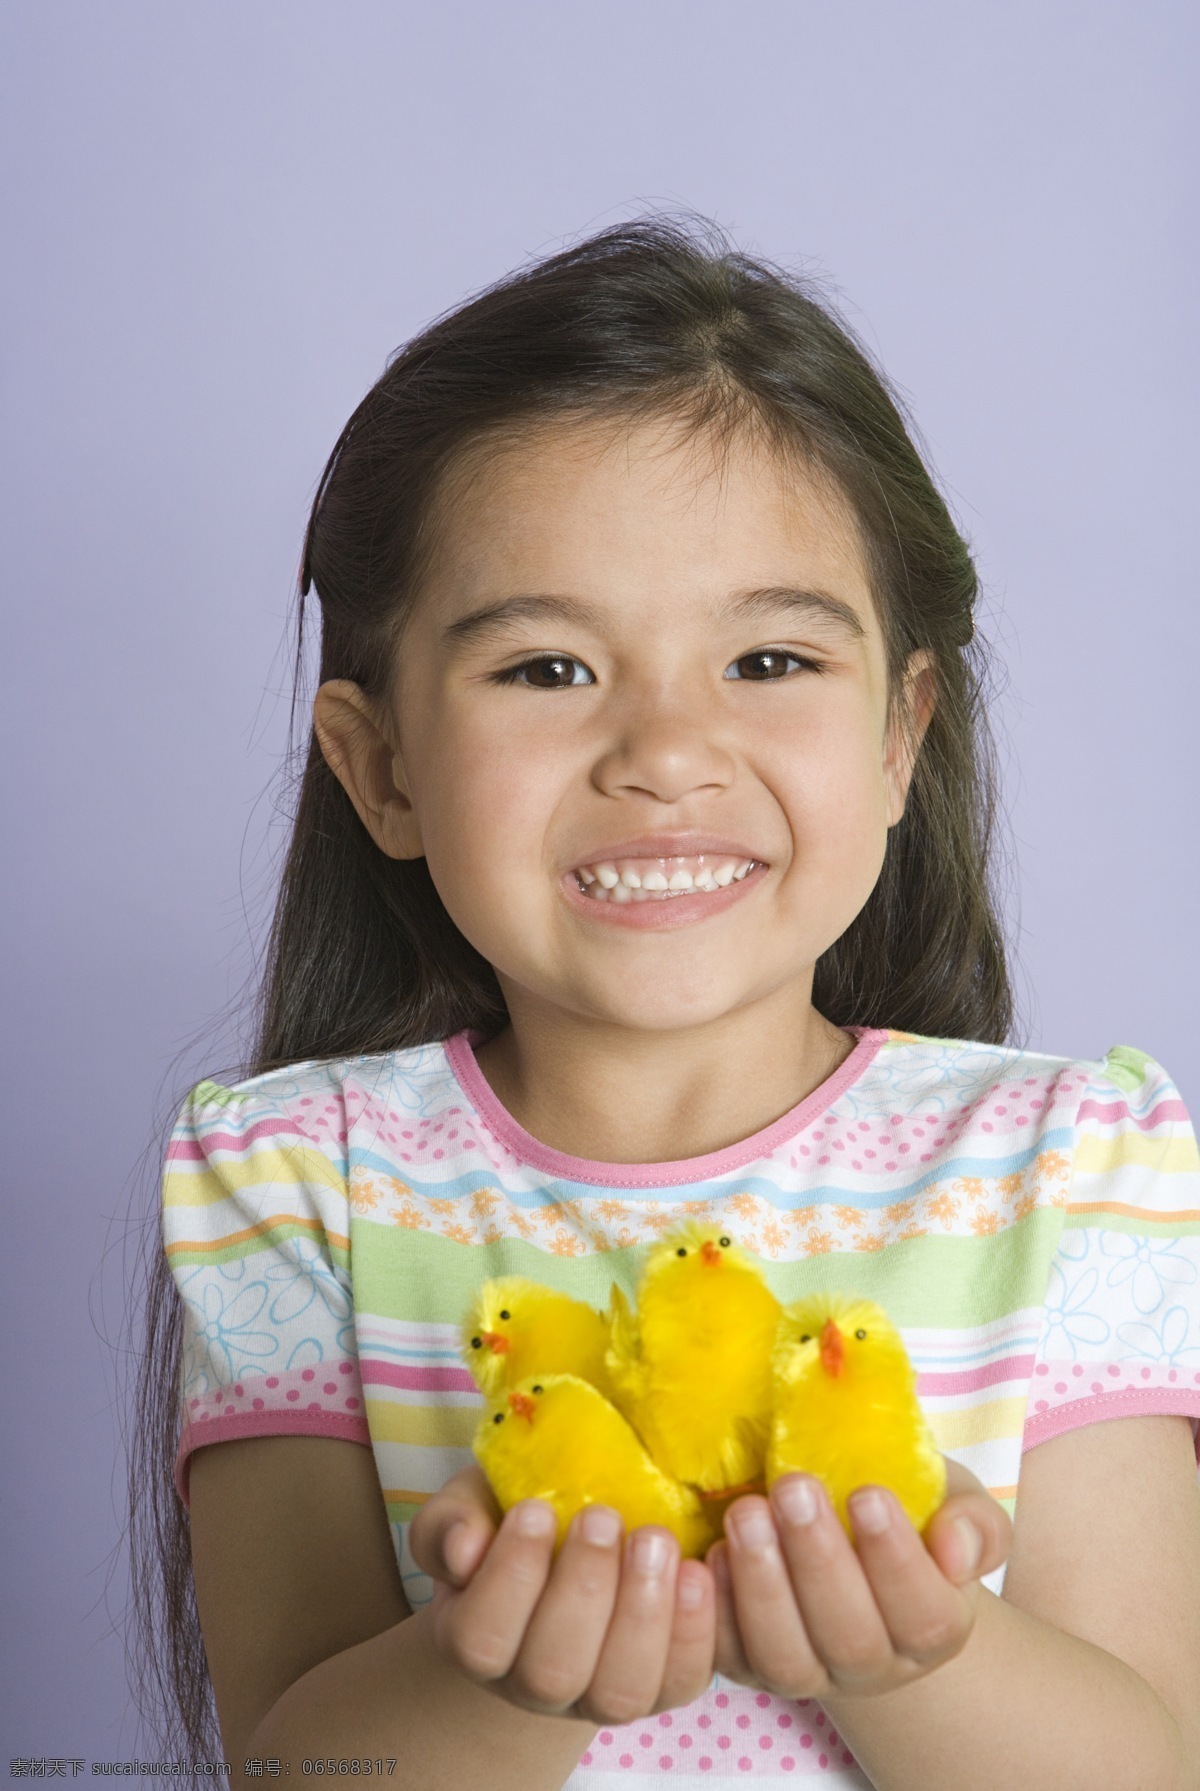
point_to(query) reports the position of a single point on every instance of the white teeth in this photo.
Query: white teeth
(604, 883)
(702, 872)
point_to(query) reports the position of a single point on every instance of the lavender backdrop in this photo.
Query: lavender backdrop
(219, 219)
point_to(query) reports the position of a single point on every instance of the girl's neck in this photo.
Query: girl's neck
(592, 1094)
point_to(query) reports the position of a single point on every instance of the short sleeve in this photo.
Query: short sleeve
(256, 1231)
(1120, 1332)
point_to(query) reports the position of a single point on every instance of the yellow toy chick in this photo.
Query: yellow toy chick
(515, 1327)
(555, 1437)
(691, 1369)
(846, 1407)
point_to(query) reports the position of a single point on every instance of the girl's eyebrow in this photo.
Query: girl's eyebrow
(770, 600)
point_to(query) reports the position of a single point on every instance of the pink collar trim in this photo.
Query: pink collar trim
(528, 1149)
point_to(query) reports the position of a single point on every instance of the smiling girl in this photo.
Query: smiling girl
(641, 871)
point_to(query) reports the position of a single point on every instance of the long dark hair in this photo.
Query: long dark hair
(655, 316)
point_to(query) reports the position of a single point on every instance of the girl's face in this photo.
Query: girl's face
(694, 652)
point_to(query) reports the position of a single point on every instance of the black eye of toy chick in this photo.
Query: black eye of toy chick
(506, 1315)
(681, 1251)
(860, 1335)
(806, 1338)
(724, 1243)
(477, 1343)
(499, 1418)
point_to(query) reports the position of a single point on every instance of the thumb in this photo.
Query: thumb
(970, 1533)
(450, 1534)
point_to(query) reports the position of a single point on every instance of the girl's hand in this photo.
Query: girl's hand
(614, 1629)
(804, 1613)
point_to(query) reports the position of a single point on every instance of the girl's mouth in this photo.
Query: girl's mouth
(659, 879)
(661, 892)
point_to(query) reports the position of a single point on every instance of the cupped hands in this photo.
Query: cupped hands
(617, 1627)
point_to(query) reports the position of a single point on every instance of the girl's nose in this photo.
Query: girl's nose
(667, 750)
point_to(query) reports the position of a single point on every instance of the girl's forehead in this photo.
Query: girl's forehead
(590, 498)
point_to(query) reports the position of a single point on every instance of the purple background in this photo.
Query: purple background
(219, 220)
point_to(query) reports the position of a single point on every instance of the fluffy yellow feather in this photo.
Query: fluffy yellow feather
(515, 1327)
(691, 1368)
(555, 1437)
(846, 1407)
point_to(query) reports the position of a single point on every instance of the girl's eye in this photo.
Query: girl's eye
(776, 656)
(512, 674)
(565, 670)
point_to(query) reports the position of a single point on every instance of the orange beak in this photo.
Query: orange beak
(496, 1342)
(833, 1350)
(710, 1251)
(522, 1405)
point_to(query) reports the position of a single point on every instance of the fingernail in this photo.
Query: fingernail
(753, 1528)
(797, 1499)
(970, 1548)
(649, 1552)
(600, 1525)
(457, 1551)
(870, 1513)
(533, 1517)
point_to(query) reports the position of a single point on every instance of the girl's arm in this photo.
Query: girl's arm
(314, 1654)
(1086, 1672)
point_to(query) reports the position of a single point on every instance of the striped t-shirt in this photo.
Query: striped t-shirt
(1030, 1223)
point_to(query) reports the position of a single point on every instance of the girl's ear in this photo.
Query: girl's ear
(358, 751)
(906, 730)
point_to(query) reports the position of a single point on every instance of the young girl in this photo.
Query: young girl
(641, 871)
